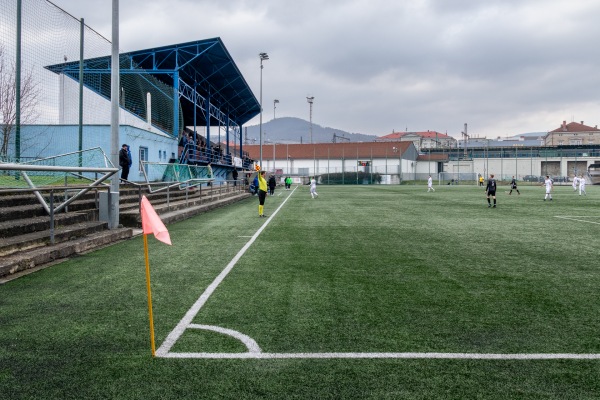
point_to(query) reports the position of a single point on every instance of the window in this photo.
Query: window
(143, 157)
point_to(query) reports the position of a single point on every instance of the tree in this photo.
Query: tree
(30, 94)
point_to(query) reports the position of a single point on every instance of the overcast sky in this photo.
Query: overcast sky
(375, 66)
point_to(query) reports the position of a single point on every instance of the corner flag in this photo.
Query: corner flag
(151, 222)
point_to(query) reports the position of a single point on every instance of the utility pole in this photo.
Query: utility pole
(466, 136)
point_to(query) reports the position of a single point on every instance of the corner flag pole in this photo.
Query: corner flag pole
(151, 223)
(149, 296)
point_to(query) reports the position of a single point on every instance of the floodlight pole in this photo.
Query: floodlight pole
(310, 102)
(263, 57)
(113, 199)
(274, 102)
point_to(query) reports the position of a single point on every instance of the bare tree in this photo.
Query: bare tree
(30, 94)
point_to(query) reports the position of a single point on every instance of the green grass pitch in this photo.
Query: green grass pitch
(378, 292)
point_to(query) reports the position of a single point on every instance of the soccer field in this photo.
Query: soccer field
(365, 292)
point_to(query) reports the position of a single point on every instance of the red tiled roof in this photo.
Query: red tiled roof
(425, 134)
(575, 127)
(324, 151)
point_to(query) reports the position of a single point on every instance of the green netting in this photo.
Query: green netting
(184, 174)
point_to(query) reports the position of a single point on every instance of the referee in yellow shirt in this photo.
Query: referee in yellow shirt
(262, 193)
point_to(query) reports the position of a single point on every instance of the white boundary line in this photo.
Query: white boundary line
(575, 218)
(185, 322)
(254, 351)
(452, 356)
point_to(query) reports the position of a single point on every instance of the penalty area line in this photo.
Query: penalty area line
(187, 319)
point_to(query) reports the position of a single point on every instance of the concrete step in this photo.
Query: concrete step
(21, 212)
(177, 211)
(26, 260)
(8, 199)
(36, 209)
(41, 223)
(34, 240)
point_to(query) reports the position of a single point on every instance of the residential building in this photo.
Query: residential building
(422, 140)
(573, 134)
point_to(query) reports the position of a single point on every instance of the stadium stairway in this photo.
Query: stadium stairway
(25, 244)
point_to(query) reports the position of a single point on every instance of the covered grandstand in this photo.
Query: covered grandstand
(192, 90)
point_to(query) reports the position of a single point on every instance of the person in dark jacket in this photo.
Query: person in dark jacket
(513, 186)
(272, 184)
(124, 161)
(234, 175)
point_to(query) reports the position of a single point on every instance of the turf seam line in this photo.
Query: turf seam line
(187, 319)
(574, 218)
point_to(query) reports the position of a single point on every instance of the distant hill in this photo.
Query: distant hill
(297, 130)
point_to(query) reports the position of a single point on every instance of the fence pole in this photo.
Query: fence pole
(81, 41)
(52, 217)
(18, 87)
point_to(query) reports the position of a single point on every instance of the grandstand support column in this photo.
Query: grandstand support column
(227, 135)
(241, 149)
(208, 148)
(195, 96)
(176, 104)
(113, 198)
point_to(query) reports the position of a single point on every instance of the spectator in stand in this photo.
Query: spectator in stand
(124, 161)
(183, 141)
(234, 175)
(209, 173)
(129, 155)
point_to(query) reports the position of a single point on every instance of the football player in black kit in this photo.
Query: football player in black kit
(490, 190)
(513, 185)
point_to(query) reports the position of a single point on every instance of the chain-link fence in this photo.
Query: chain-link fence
(64, 78)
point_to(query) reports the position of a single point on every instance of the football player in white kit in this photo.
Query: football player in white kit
(582, 186)
(430, 184)
(575, 182)
(313, 188)
(548, 183)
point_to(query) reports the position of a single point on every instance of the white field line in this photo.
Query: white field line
(254, 351)
(250, 343)
(165, 347)
(576, 218)
(452, 356)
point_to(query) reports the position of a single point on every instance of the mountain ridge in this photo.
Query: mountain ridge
(297, 130)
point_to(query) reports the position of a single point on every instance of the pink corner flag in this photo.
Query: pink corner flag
(151, 222)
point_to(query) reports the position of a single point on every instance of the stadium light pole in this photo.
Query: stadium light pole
(310, 102)
(274, 107)
(263, 57)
